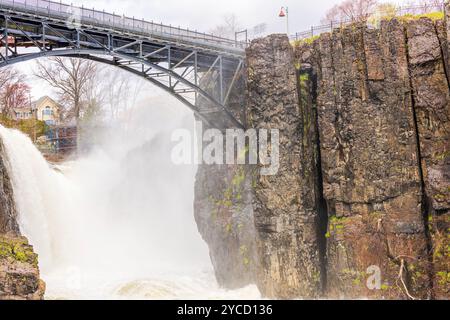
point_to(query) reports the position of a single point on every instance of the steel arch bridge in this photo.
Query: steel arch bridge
(184, 63)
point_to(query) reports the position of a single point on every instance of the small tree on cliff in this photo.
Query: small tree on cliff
(228, 28)
(351, 10)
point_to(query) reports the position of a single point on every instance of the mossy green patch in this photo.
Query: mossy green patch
(438, 15)
(443, 278)
(439, 197)
(385, 287)
(336, 225)
(304, 77)
(308, 40)
(441, 155)
(17, 249)
(31, 127)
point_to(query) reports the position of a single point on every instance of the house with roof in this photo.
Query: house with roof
(44, 109)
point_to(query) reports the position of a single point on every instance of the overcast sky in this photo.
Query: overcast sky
(204, 15)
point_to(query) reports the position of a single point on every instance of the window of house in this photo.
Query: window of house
(47, 111)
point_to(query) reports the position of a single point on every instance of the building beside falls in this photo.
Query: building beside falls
(44, 109)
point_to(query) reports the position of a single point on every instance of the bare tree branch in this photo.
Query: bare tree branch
(72, 78)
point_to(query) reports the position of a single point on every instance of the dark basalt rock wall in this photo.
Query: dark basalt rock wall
(224, 216)
(360, 205)
(285, 204)
(428, 57)
(223, 201)
(19, 272)
(8, 222)
(371, 176)
(382, 101)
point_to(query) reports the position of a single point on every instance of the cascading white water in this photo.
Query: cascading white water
(117, 223)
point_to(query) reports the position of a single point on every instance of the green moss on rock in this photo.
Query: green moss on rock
(17, 249)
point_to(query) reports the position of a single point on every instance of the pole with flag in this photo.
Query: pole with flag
(284, 13)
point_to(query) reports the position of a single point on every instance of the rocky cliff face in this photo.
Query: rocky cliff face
(360, 205)
(19, 272)
(382, 120)
(223, 202)
(428, 57)
(285, 204)
(371, 176)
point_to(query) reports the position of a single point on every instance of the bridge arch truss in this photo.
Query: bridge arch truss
(184, 67)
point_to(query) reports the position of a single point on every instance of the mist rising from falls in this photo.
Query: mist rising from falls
(117, 222)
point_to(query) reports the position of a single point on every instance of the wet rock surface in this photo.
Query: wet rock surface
(370, 163)
(19, 271)
(428, 56)
(224, 215)
(285, 204)
(223, 199)
(360, 204)
(382, 101)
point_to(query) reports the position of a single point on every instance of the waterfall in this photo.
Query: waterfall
(117, 222)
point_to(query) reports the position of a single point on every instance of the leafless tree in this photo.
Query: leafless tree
(431, 4)
(352, 10)
(117, 91)
(72, 78)
(228, 28)
(5, 75)
(14, 93)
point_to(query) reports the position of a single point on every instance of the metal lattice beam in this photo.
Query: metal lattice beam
(185, 71)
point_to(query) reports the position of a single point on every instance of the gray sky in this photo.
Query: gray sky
(204, 15)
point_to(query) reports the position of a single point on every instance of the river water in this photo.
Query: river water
(117, 222)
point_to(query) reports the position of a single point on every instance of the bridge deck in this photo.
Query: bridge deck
(57, 12)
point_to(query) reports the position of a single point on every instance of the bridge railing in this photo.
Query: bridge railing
(372, 21)
(81, 15)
